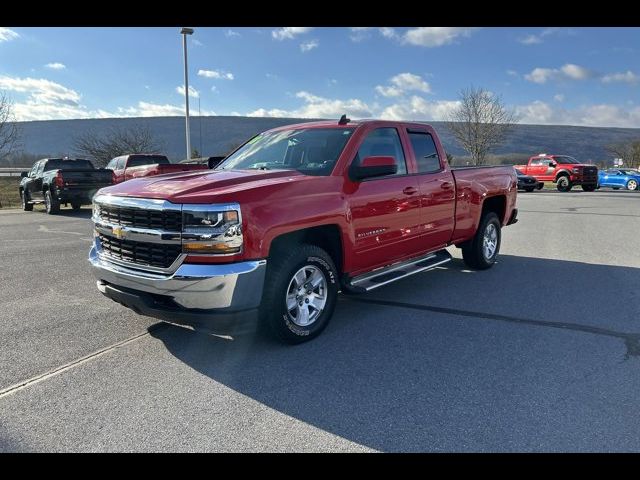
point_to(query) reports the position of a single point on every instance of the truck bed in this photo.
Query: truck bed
(473, 186)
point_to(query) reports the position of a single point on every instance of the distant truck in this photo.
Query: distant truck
(56, 181)
(137, 165)
(563, 170)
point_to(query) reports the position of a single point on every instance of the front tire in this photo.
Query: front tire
(563, 184)
(632, 185)
(588, 188)
(481, 252)
(76, 206)
(529, 189)
(24, 201)
(51, 203)
(301, 289)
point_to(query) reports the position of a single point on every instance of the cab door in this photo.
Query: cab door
(35, 183)
(385, 212)
(437, 189)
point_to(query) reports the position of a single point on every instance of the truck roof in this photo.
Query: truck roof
(351, 123)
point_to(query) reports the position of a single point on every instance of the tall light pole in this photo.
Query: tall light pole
(186, 31)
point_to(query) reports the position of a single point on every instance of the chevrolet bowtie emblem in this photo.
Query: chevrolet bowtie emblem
(118, 232)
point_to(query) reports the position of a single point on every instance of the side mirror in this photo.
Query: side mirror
(24, 174)
(374, 167)
(553, 164)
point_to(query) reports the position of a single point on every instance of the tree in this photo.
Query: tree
(629, 152)
(450, 159)
(102, 147)
(480, 123)
(9, 132)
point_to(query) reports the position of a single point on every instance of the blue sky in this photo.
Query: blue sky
(576, 76)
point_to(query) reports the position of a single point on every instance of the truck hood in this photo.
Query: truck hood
(200, 186)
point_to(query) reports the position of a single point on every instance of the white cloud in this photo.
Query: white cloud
(389, 91)
(196, 42)
(331, 82)
(575, 72)
(569, 71)
(56, 66)
(626, 77)
(310, 45)
(512, 73)
(559, 97)
(289, 32)
(214, 89)
(231, 33)
(319, 107)
(6, 34)
(435, 36)
(147, 109)
(217, 74)
(388, 32)
(271, 76)
(417, 108)
(530, 40)
(192, 91)
(359, 34)
(404, 82)
(599, 115)
(41, 91)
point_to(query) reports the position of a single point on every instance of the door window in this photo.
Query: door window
(425, 151)
(383, 142)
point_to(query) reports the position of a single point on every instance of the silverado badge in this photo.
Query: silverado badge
(118, 232)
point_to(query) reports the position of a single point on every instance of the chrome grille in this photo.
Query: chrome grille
(169, 221)
(158, 255)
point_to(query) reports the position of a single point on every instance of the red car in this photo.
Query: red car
(290, 218)
(563, 170)
(137, 165)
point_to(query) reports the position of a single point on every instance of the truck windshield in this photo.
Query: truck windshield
(312, 151)
(68, 165)
(563, 159)
(148, 160)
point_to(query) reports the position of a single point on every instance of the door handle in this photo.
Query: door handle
(446, 185)
(409, 191)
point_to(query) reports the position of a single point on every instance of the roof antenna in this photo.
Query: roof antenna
(343, 120)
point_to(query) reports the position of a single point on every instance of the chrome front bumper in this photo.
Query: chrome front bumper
(228, 287)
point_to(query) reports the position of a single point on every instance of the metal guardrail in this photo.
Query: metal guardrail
(13, 172)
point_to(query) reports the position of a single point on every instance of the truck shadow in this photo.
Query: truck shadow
(445, 360)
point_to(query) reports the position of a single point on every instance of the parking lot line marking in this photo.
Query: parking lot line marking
(67, 366)
(581, 213)
(631, 340)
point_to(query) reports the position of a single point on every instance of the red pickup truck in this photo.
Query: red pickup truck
(563, 170)
(291, 217)
(127, 167)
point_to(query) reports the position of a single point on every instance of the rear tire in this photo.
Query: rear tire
(481, 252)
(563, 184)
(529, 189)
(76, 206)
(540, 186)
(51, 203)
(588, 188)
(24, 201)
(296, 315)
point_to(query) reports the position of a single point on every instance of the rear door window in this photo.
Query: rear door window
(425, 151)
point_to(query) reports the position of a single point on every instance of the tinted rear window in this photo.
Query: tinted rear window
(68, 165)
(150, 160)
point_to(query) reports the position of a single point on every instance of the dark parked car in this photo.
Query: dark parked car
(528, 183)
(54, 181)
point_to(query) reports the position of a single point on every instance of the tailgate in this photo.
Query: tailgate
(86, 177)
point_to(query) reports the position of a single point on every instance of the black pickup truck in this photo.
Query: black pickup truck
(54, 181)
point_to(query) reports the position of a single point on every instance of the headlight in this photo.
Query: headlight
(96, 210)
(213, 229)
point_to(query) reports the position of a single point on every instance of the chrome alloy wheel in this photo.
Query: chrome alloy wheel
(306, 295)
(489, 241)
(632, 185)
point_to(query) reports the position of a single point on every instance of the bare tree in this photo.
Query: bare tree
(480, 123)
(629, 152)
(9, 132)
(102, 147)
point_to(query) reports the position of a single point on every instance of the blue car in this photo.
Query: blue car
(617, 178)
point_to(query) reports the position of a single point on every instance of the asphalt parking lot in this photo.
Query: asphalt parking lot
(540, 353)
